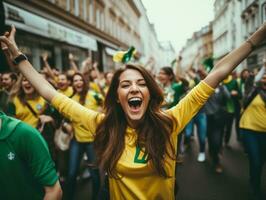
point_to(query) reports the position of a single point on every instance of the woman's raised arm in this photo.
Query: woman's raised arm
(11, 51)
(225, 66)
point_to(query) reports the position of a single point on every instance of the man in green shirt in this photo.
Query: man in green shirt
(26, 168)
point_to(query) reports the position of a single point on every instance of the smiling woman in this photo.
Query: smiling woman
(133, 95)
(135, 141)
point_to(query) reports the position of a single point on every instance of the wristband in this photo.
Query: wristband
(19, 59)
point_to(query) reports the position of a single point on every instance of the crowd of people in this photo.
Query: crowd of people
(131, 127)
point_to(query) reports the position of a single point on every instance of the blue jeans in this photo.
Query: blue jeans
(77, 149)
(201, 122)
(255, 144)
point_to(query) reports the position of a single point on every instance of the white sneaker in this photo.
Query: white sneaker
(201, 157)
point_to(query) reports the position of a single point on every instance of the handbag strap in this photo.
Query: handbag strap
(31, 109)
(249, 98)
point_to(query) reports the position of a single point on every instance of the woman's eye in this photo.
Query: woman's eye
(142, 84)
(125, 86)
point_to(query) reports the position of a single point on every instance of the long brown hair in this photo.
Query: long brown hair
(153, 132)
(85, 88)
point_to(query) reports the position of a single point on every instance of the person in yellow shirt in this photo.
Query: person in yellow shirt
(63, 85)
(83, 140)
(134, 140)
(28, 106)
(253, 129)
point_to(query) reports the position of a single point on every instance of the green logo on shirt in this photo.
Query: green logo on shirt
(140, 156)
(11, 156)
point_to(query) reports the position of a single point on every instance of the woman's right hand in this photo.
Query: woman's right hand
(9, 46)
(44, 88)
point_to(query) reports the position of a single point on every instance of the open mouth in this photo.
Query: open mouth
(60, 84)
(135, 102)
(79, 87)
(27, 87)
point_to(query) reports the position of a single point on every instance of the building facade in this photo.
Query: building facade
(95, 28)
(226, 27)
(169, 54)
(253, 14)
(235, 21)
(155, 54)
(198, 48)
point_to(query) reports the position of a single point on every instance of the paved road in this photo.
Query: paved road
(198, 181)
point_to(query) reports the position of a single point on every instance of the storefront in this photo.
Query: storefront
(108, 55)
(36, 35)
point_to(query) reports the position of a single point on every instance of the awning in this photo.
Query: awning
(110, 51)
(32, 23)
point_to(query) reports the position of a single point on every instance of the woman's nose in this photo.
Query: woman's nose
(134, 88)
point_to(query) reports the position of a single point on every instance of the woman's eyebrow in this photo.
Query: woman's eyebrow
(125, 81)
(129, 81)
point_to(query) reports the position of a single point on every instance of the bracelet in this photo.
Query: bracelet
(252, 45)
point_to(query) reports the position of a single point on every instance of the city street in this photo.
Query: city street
(198, 181)
(101, 83)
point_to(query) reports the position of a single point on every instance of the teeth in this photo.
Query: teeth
(135, 102)
(135, 99)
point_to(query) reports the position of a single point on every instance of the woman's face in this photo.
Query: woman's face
(163, 77)
(78, 83)
(133, 95)
(93, 74)
(27, 87)
(62, 82)
(109, 77)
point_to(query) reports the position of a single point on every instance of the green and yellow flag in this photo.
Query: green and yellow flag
(124, 56)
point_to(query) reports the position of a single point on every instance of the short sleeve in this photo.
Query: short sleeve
(33, 150)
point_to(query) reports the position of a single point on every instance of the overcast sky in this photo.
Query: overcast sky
(176, 20)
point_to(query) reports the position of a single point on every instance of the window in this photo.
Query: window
(84, 8)
(91, 11)
(264, 12)
(76, 5)
(98, 18)
(102, 20)
(68, 5)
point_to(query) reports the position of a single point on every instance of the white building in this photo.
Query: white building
(152, 53)
(190, 52)
(253, 14)
(169, 53)
(197, 48)
(226, 27)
